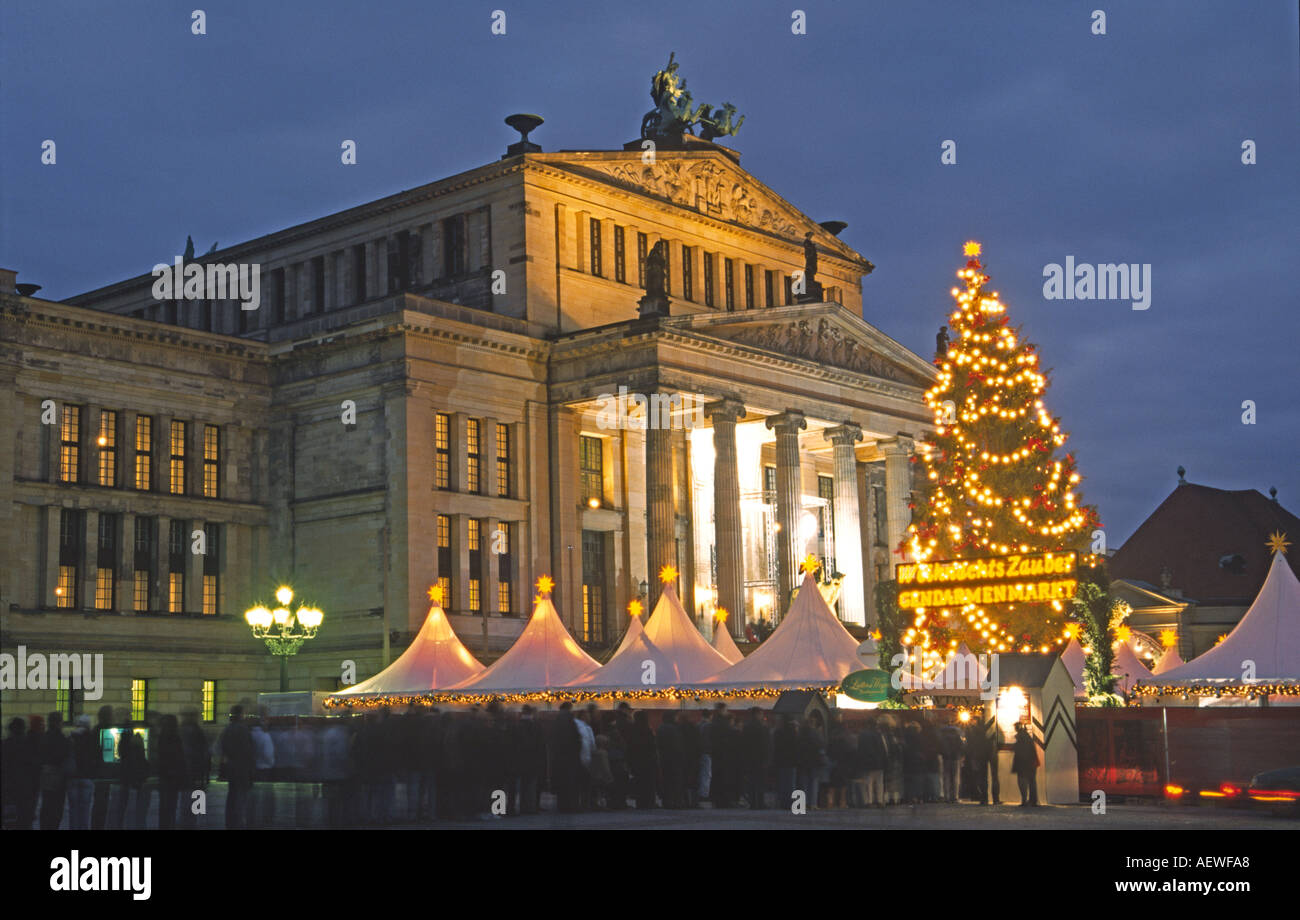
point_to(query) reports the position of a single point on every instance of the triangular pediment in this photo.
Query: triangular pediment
(708, 182)
(822, 333)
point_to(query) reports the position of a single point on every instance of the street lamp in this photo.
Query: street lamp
(283, 630)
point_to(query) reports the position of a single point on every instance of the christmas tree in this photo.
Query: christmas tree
(994, 481)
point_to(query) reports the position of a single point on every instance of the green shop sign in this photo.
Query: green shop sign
(869, 686)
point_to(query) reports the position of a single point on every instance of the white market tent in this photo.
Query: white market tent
(544, 657)
(634, 629)
(436, 658)
(1073, 659)
(638, 664)
(809, 646)
(1128, 667)
(1168, 661)
(689, 654)
(1268, 634)
(956, 678)
(725, 645)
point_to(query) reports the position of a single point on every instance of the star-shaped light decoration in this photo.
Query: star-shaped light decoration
(435, 595)
(1168, 638)
(720, 615)
(544, 586)
(971, 249)
(810, 564)
(634, 608)
(1123, 633)
(1071, 630)
(1277, 542)
(668, 574)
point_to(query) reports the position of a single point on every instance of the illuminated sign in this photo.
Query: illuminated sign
(869, 686)
(1013, 579)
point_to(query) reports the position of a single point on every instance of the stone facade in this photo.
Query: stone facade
(493, 310)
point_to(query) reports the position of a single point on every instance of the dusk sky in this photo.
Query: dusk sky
(1123, 147)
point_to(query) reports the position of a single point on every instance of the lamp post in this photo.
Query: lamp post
(284, 630)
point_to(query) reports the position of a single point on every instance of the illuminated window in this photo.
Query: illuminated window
(145, 560)
(769, 484)
(106, 562)
(594, 230)
(593, 587)
(103, 589)
(143, 452)
(620, 255)
(729, 283)
(209, 701)
(472, 467)
(591, 469)
(442, 451)
(211, 568)
(179, 435)
(107, 442)
(139, 699)
(70, 444)
(503, 460)
(505, 573)
(175, 592)
(63, 700)
(211, 461)
(176, 566)
(444, 558)
(708, 279)
(474, 540)
(72, 536)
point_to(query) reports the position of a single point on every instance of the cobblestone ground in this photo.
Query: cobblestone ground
(288, 806)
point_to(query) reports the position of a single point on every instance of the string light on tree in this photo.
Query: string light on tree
(995, 482)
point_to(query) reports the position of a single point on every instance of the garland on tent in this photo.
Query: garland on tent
(560, 695)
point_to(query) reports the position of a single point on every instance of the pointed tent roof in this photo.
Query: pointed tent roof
(544, 656)
(435, 659)
(1168, 661)
(1073, 659)
(673, 633)
(725, 645)
(810, 645)
(1128, 667)
(954, 677)
(634, 629)
(626, 669)
(1268, 634)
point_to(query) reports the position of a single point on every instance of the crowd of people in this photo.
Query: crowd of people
(421, 765)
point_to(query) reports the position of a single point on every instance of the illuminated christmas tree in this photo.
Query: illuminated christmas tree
(993, 479)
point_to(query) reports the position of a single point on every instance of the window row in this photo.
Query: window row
(484, 548)
(66, 701)
(726, 283)
(159, 461)
(157, 574)
(476, 453)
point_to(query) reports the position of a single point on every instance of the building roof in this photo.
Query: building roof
(1195, 533)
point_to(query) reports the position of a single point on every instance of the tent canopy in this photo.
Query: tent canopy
(435, 659)
(544, 656)
(1268, 635)
(688, 653)
(725, 645)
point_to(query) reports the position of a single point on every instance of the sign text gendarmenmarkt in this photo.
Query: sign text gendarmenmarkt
(1013, 579)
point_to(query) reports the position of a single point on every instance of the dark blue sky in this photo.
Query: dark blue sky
(1117, 148)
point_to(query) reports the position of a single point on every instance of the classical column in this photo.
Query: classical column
(660, 518)
(848, 528)
(898, 488)
(787, 426)
(726, 510)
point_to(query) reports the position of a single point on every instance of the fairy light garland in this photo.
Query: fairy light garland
(481, 698)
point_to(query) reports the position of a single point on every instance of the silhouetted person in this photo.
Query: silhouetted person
(198, 765)
(642, 760)
(530, 761)
(672, 761)
(81, 783)
(566, 747)
(785, 760)
(56, 768)
(755, 755)
(173, 772)
(105, 772)
(979, 751)
(237, 758)
(1024, 763)
(20, 774)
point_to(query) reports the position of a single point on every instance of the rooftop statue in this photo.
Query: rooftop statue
(674, 113)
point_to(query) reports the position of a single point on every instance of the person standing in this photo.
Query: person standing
(198, 767)
(566, 749)
(105, 772)
(237, 760)
(785, 760)
(978, 750)
(643, 760)
(81, 783)
(21, 776)
(56, 765)
(706, 756)
(871, 759)
(756, 754)
(812, 758)
(172, 770)
(530, 761)
(690, 761)
(1024, 763)
(672, 760)
(951, 744)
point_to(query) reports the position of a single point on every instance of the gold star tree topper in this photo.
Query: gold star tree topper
(435, 595)
(668, 574)
(1277, 542)
(971, 249)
